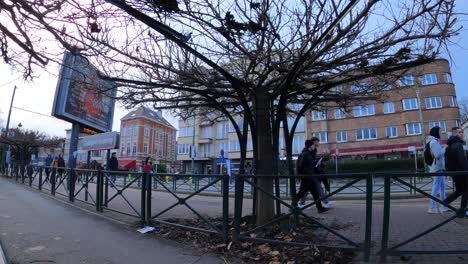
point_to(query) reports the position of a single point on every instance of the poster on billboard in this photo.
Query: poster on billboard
(82, 96)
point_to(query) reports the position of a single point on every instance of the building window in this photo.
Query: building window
(129, 131)
(134, 150)
(234, 146)
(340, 113)
(366, 134)
(385, 86)
(147, 132)
(128, 148)
(360, 88)
(135, 130)
(206, 150)
(453, 101)
(205, 132)
(298, 144)
(300, 124)
(183, 148)
(391, 132)
(429, 78)
(145, 148)
(365, 110)
(433, 102)
(448, 77)
(410, 104)
(319, 115)
(440, 124)
(406, 80)
(95, 153)
(341, 136)
(413, 129)
(249, 145)
(322, 136)
(222, 129)
(389, 108)
(186, 131)
(122, 132)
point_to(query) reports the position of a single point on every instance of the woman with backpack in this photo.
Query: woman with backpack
(436, 151)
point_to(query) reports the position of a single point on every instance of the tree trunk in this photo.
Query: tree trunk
(265, 203)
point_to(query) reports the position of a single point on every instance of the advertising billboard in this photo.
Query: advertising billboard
(82, 97)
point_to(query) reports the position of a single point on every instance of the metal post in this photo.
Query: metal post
(278, 194)
(101, 190)
(40, 179)
(192, 152)
(98, 191)
(369, 194)
(386, 218)
(148, 198)
(106, 194)
(71, 177)
(225, 207)
(52, 181)
(143, 199)
(30, 172)
(238, 196)
(71, 155)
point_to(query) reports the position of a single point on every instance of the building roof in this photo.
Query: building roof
(146, 113)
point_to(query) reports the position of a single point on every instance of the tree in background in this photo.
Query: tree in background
(463, 106)
(264, 60)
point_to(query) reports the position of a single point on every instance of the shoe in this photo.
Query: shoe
(331, 203)
(443, 210)
(323, 210)
(432, 211)
(328, 205)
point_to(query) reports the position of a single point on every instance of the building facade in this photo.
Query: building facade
(379, 129)
(146, 133)
(402, 118)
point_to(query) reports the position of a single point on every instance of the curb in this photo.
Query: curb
(3, 258)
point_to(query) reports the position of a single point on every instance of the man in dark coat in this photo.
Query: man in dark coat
(455, 160)
(309, 182)
(113, 165)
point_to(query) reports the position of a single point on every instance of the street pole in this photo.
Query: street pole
(421, 119)
(8, 125)
(193, 146)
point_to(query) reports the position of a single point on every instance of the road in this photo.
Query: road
(36, 228)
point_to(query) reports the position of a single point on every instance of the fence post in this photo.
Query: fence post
(369, 196)
(71, 185)
(148, 198)
(30, 172)
(238, 200)
(225, 207)
(98, 191)
(278, 194)
(40, 179)
(106, 190)
(52, 181)
(143, 199)
(386, 218)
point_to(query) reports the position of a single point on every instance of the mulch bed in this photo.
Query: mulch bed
(257, 252)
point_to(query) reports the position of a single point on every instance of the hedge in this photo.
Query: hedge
(351, 166)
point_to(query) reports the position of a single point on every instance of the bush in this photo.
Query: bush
(352, 166)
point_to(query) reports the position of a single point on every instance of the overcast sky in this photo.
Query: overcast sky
(38, 96)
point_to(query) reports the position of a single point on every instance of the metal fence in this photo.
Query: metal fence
(131, 194)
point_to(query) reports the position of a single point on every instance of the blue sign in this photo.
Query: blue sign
(221, 156)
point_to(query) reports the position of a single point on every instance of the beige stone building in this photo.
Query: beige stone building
(384, 128)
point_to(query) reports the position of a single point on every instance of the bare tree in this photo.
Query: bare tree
(463, 106)
(255, 58)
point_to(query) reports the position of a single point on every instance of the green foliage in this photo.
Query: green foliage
(161, 168)
(354, 166)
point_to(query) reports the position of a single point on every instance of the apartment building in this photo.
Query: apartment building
(215, 139)
(383, 128)
(146, 133)
(386, 128)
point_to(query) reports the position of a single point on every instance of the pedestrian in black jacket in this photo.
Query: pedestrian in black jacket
(309, 182)
(455, 160)
(113, 165)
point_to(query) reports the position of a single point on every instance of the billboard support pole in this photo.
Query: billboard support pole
(73, 148)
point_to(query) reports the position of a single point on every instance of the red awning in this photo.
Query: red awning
(127, 164)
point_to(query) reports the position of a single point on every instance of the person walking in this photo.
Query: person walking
(438, 165)
(319, 169)
(113, 166)
(60, 165)
(309, 182)
(48, 163)
(455, 160)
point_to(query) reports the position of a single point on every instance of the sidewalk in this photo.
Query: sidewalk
(35, 228)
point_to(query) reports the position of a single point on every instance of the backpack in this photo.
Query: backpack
(428, 158)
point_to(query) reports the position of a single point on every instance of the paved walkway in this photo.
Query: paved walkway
(35, 228)
(408, 218)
